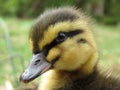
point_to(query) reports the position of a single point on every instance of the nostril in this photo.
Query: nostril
(37, 61)
(26, 72)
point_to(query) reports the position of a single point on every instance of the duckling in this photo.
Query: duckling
(65, 53)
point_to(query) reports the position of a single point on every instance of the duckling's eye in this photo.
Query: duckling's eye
(61, 37)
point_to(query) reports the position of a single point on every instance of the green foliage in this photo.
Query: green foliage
(30, 8)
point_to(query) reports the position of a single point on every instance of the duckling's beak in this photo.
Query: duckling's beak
(37, 66)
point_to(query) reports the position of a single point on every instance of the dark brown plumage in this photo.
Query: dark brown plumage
(95, 81)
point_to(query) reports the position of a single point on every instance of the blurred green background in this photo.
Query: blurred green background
(17, 17)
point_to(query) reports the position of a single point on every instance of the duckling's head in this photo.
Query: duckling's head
(61, 39)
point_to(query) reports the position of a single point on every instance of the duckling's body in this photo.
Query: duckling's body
(64, 47)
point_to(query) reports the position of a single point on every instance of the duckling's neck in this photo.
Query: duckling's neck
(77, 82)
(60, 80)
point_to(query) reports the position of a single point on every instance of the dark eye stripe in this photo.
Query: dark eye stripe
(75, 32)
(54, 42)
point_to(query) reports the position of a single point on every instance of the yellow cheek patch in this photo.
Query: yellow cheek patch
(53, 30)
(53, 53)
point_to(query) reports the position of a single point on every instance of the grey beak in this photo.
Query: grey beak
(37, 66)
